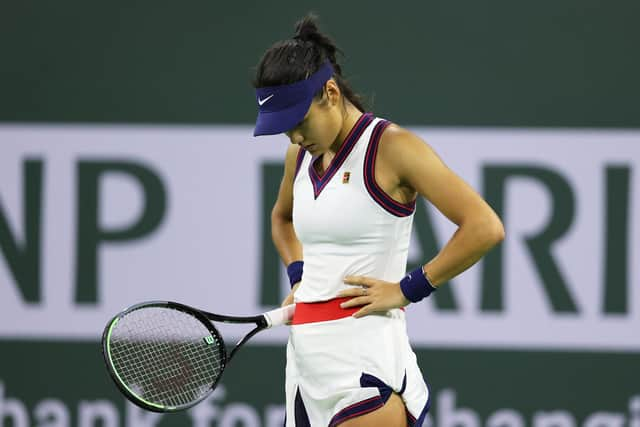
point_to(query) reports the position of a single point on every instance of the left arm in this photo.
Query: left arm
(406, 167)
(479, 229)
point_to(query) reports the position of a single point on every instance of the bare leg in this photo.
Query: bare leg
(392, 414)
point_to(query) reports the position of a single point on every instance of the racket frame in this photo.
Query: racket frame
(206, 319)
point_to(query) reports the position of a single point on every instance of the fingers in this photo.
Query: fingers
(359, 281)
(364, 310)
(354, 292)
(368, 294)
(360, 294)
(367, 304)
(355, 302)
(288, 300)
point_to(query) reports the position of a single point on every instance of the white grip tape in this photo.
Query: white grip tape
(280, 316)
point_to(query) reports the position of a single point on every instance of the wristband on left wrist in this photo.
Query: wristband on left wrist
(416, 285)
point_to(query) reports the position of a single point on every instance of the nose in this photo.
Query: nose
(295, 137)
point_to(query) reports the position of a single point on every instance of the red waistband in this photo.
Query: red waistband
(309, 312)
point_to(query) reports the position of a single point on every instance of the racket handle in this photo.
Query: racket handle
(279, 316)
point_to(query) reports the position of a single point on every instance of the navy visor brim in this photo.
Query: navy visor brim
(281, 108)
(275, 122)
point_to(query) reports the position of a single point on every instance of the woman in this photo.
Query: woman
(341, 223)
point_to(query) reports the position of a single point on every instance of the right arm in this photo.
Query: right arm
(282, 232)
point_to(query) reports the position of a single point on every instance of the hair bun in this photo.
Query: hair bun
(293, 60)
(307, 29)
(307, 32)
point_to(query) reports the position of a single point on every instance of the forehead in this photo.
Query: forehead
(308, 113)
(311, 112)
(313, 108)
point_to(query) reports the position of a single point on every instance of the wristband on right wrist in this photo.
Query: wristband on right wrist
(294, 271)
(415, 286)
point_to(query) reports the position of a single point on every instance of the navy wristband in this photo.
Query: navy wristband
(294, 270)
(415, 285)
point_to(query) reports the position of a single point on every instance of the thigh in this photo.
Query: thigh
(393, 413)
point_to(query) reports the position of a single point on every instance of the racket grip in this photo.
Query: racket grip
(280, 316)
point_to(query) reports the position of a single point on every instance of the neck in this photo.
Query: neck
(350, 118)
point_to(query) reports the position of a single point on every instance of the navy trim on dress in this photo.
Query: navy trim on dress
(299, 159)
(411, 420)
(379, 196)
(301, 419)
(367, 405)
(423, 414)
(320, 181)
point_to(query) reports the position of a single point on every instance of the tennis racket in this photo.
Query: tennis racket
(166, 357)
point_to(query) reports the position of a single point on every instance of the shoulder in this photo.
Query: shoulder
(398, 133)
(400, 147)
(292, 152)
(396, 137)
(291, 159)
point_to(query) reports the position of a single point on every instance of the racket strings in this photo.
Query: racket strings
(165, 356)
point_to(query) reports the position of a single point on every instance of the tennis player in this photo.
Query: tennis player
(341, 223)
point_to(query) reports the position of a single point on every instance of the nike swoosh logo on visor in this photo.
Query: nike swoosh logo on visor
(262, 101)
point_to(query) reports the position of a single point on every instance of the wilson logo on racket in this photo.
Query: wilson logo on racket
(209, 339)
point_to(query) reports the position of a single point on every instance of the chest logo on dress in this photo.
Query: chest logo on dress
(345, 177)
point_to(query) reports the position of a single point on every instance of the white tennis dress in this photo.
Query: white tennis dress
(342, 368)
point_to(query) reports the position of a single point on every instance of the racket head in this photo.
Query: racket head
(163, 356)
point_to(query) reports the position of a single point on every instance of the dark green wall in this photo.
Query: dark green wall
(484, 381)
(495, 63)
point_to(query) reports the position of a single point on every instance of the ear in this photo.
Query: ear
(332, 91)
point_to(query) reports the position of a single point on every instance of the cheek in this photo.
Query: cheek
(324, 127)
(329, 128)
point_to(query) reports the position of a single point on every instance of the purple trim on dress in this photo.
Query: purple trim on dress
(359, 408)
(367, 405)
(319, 182)
(404, 383)
(379, 196)
(412, 421)
(299, 159)
(423, 414)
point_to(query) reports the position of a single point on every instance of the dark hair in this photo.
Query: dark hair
(295, 59)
